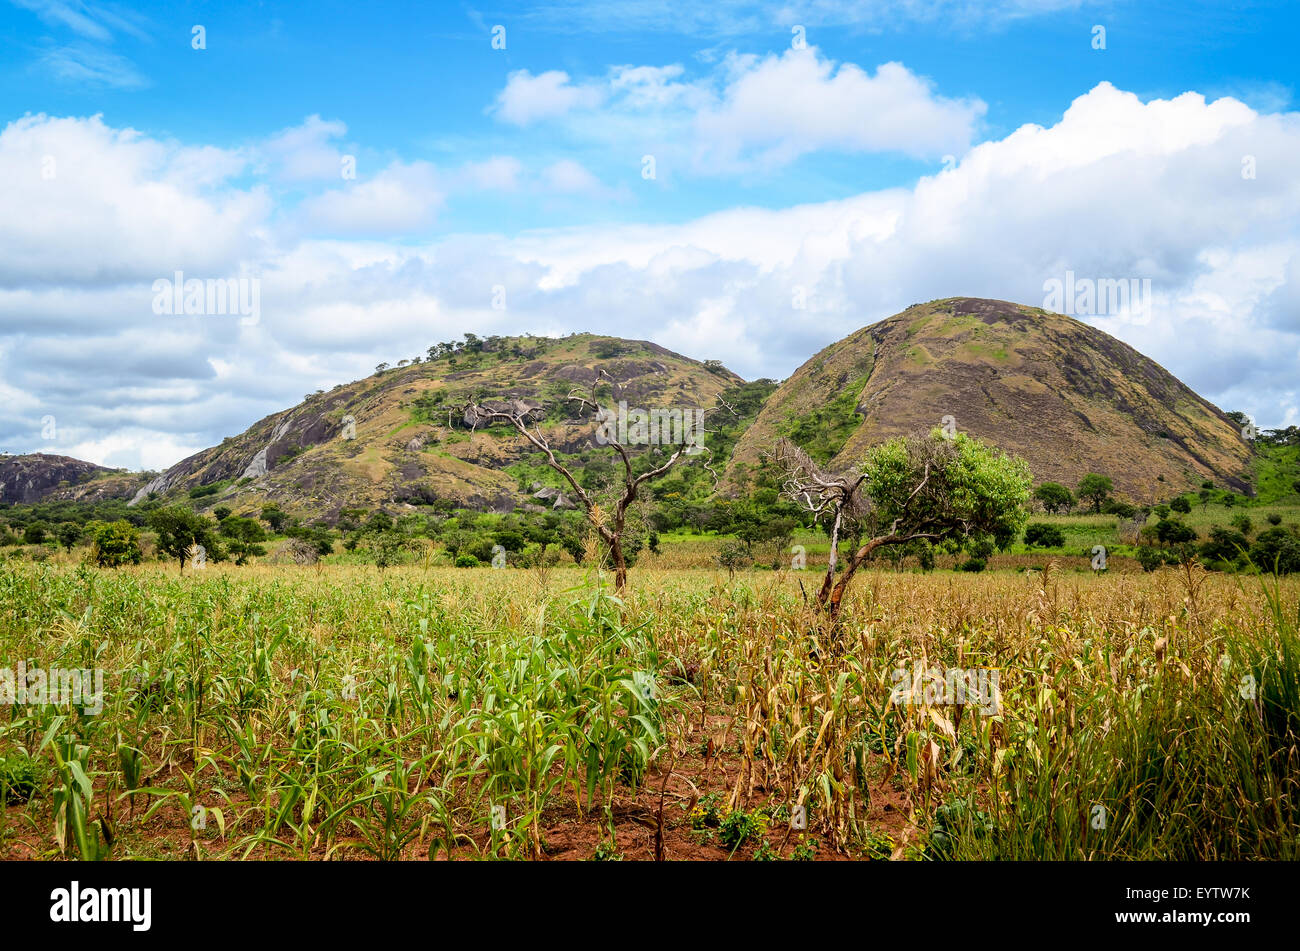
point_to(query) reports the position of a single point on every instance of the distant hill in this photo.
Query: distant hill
(38, 476)
(1065, 396)
(399, 436)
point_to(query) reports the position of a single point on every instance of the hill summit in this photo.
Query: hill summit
(1066, 397)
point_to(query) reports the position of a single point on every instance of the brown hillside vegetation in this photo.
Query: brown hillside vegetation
(408, 441)
(1064, 396)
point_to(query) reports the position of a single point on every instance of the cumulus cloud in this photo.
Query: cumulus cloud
(527, 98)
(781, 107)
(401, 198)
(751, 111)
(85, 203)
(307, 152)
(1117, 188)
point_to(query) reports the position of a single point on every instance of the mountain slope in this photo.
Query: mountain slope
(37, 476)
(408, 442)
(1065, 396)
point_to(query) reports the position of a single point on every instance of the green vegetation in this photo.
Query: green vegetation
(822, 431)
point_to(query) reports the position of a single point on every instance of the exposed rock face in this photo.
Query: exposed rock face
(553, 495)
(366, 444)
(256, 466)
(33, 477)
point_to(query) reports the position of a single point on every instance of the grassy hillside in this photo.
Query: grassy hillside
(398, 438)
(1064, 396)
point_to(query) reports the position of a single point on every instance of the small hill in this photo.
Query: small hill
(1064, 396)
(38, 476)
(400, 437)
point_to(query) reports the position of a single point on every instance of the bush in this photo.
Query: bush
(114, 543)
(1276, 550)
(1150, 558)
(467, 561)
(1116, 507)
(1224, 545)
(974, 564)
(1042, 535)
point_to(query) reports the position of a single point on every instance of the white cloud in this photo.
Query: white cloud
(85, 203)
(527, 98)
(750, 111)
(785, 106)
(306, 152)
(401, 198)
(499, 173)
(570, 177)
(1116, 188)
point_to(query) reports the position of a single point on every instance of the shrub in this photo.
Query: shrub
(1150, 558)
(1224, 545)
(115, 543)
(467, 561)
(1276, 550)
(1042, 535)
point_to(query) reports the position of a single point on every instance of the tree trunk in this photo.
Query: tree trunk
(830, 597)
(829, 580)
(620, 564)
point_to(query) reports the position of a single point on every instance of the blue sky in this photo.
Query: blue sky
(418, 80)
(905, 150)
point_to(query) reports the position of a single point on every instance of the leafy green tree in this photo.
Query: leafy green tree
(1054, 496)
(114, 543)
(179, 529)
(1095, 488)
(1224, 544)
(34, 533)
(1181, 505)
(245, 536)
(953, 490)
(386, 548)
(1172, 531)
(273, 516)
(68, 534)
(221, 512)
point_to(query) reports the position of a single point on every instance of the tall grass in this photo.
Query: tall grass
(284, 712)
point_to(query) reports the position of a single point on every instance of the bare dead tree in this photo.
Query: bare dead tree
(836, 497)
(609, 524)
